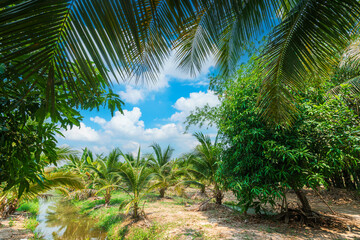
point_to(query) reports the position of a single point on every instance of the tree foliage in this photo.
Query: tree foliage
(28, 126)
(262, 161)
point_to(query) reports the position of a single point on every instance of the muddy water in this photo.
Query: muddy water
(61, 220)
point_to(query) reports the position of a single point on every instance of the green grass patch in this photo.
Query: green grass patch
(31, 223)
(31, 207)
(11, 222)
(37, 236)
(108, 217)
(87, 205)
(154, 232)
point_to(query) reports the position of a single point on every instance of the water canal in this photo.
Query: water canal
(59, 219)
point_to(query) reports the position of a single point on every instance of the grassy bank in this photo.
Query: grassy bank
(30, 223)
(118, 225)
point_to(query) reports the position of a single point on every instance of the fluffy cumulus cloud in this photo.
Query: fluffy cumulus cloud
(128, 132)
(196, 99)
(82, 133)
(132, 94)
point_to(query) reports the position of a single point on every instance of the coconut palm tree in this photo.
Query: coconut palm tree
(135, 179)
(106, 170)
(137, 160)
(81, 165)
(165, 175)
(71, 39)
(206, 164)
(192, 177)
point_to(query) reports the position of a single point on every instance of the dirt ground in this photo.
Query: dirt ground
(182, 222)
(179, 219)
(13, 227)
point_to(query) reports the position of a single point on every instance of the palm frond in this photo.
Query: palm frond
(54, 180)
(71, 40)
(223, 28)
(304, 43)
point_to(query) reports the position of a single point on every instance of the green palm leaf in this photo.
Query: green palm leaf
(304, 43)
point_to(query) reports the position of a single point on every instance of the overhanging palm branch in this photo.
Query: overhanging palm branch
(51, 181)
(55, 38)
(303, 44)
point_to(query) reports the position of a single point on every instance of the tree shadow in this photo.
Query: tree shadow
(252, 226)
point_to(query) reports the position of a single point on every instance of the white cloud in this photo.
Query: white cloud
(132, 95)
(98, 120)
(128, 132)
(196, 99)
(101, 149)
(128, 124)
(82, 133)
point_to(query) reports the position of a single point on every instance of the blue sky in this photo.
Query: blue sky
(152, 113)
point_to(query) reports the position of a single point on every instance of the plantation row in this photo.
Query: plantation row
(88, 175)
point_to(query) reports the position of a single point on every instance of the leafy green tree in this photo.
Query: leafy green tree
(205, 166)
(107, 173)
(331, 131)
(261, 161)
(135, 179)
(25, 130)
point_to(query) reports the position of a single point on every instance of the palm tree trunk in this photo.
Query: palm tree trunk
(162, 192)
(135, 214)
(203, 190)
(218, 195)
(107, 196)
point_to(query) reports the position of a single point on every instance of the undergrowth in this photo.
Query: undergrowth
(31, 207)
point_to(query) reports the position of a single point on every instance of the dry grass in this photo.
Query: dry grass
(176, 218)
(13, 227)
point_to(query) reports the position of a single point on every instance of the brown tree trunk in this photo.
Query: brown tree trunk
(203, 190)
(304, 201)
(162, 192)
(218, 195)
(348, 182)
(135, 214)
(8, 207)
(338, 180)
(107, 196)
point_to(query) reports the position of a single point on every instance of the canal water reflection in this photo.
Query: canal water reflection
(60, 220)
